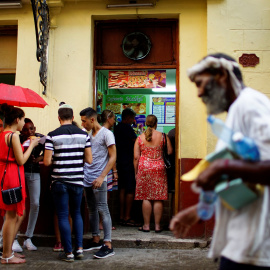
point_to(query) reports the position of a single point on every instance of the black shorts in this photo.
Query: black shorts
(126, 178)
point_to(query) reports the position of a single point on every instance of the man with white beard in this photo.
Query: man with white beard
(242, 237)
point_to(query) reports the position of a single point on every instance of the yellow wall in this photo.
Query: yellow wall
(205, 26)
(70, 76)
(236, 27)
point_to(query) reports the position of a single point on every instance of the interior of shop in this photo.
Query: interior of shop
(145, 91)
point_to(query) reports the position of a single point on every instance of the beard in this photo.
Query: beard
(215, 98)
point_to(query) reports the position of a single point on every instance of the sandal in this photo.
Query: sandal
(122, 222)
(131, 223)
(14, 261)
(141, 229)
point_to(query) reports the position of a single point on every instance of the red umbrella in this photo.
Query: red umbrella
(19, 96)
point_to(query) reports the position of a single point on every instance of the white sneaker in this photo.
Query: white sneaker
(29, 245)
(16, 246)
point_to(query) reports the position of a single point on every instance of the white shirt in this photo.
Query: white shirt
(243, 236)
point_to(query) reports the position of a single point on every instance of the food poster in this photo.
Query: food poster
(139, 125)
(117, 103)
(164, 109)
(156, 79)
(137, 79)
(118, 79)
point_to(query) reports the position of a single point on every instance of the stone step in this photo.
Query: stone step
(130, 237)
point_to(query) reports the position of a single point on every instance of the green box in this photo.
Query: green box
(235, 194)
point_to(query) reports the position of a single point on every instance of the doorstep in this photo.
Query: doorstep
(130, 237)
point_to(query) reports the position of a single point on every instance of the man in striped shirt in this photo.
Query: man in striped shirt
(66, 149)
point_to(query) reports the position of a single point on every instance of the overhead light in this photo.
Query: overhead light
(131, 5)
(169, 88)
(11, 4)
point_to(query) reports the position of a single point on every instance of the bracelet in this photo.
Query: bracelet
(114, 171)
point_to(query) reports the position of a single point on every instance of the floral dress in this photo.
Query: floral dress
(151, 180)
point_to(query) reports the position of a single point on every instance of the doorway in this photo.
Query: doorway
(121, 81)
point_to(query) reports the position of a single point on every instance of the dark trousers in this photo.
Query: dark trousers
(226, 264)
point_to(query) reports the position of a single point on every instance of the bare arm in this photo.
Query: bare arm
(115, 173)
(21, 157)
(169, 146)
(137, 155)
(88, 155)
(253, 172)
(47, 160)
(112, 159)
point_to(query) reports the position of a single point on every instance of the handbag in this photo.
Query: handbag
(166, 159)
(12, 195)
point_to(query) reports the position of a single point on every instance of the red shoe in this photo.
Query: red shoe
(58, 247)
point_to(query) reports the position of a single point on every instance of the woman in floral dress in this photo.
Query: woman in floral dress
(150, 172)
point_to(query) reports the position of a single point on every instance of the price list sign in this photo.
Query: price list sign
(164, 109)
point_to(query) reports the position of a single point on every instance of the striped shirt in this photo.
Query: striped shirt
(68, 143)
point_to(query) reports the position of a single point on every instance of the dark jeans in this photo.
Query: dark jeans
(68, 197)
(226, 264)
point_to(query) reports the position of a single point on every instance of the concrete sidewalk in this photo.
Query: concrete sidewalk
(124, 259)
(130, 237)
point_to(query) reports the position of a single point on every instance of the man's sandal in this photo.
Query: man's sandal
(16, 261)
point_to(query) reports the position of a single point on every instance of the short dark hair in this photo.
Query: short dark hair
(128, 112)
(28, 120)
(89, 112)
(214, 71)
(65, 113)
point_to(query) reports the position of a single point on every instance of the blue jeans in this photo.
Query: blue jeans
(97, 203)
(68, 197)
(33, 184)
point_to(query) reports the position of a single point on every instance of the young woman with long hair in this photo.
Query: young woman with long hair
(14, 213)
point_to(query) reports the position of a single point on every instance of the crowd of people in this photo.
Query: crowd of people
(83, 161)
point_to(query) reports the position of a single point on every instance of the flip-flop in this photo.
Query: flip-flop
(10, 261)
(143, 230)
(158, 231)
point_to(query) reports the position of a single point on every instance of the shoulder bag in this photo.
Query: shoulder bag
(13, 195)
(165, 154)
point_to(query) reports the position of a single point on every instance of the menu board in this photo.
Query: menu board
(117, 103)
(137, 79)
(164, 109)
